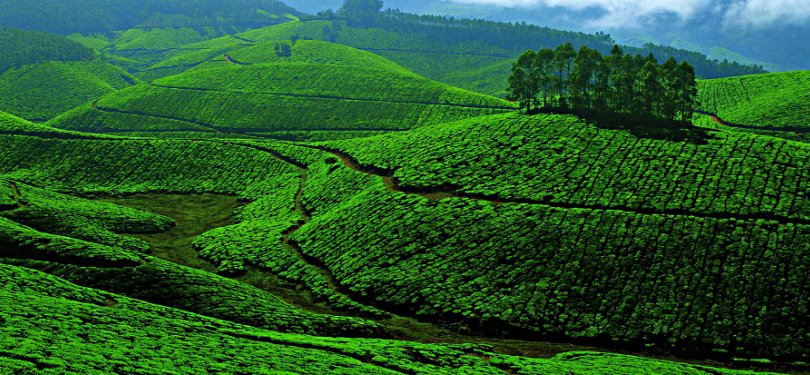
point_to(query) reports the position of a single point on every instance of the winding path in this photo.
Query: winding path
(305, 217)
(786, 129)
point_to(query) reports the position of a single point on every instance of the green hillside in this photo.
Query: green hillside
(89, 331)
(301, 201)
(42, 91)
(233, 187)
(775, 100)
(484, 192)
(10, 124)
(474, 55)
(322, 87)
(29, 47)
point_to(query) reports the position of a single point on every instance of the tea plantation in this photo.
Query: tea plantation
(774, 101)
(216, 187)
(361, 93)
(40, 92)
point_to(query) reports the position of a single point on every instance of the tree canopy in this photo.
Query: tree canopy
(586, 81)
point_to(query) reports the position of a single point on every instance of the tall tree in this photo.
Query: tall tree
(687, 91)
(651, 88)
(523, 83)
(364, 12)
(669, 81)
(544, 69)
(563, 60)
(581, 80)
(615, 84)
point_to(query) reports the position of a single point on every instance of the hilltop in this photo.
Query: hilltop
(771, 101)
(28, 47)
(42, 91)
(319, 86)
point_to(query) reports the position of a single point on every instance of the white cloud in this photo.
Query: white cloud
(632, 13)
(763, 13)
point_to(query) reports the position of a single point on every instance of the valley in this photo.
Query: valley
(248, 189)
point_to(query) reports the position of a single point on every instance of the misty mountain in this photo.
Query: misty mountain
(749, 32)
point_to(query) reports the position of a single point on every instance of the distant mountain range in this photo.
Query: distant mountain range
(770, 35)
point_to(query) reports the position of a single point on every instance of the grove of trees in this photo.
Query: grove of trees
(586, 82)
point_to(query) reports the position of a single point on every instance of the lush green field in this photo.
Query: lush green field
(129, 272)
(560, 160)
(238, 188)
(322, 87)
(767, 101)
(403, 250)
(43, 91)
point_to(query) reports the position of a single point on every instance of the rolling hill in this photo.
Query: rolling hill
(303, 224)
(39, 92)
(22, 47)
(97, 331)
(320, 87)
(235, 187)
(771, 101)
(643, 201)
(474, 55)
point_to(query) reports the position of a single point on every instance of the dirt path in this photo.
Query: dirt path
(17, 196)
(233, 61)
(786, 129)
(442, 192)
(305, 217)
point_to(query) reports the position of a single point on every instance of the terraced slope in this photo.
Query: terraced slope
(528, 268)
(88, 330)
(502, 261)
(474, 55)
(559, 160)
(388, 233)
(10, 124)
(363, 93)
(775, 101)
(40, 92)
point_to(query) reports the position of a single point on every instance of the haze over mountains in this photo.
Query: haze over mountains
(750, 31)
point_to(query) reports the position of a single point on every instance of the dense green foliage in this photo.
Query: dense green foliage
(89, 16)
(53, 326)
(83, 219)
(28, 47)
(139, 166)
(617, 188)
(775, 100)
(40, 92)
(190, 241)
(475, 54)
(561, 160)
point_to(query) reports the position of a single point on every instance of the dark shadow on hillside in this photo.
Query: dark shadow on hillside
(641, 126)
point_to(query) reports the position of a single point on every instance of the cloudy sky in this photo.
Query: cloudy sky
(624, 13)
